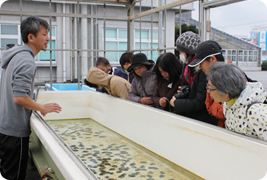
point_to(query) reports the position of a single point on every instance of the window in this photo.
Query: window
(245, 56)
(146, 43)
(255, 56)
(240, 55)
(9, 30)
(233, 55)
(116, 39)
(5, 41)
(10, 34)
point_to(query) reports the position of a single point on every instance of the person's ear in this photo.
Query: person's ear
(213, 59)
(31, 37)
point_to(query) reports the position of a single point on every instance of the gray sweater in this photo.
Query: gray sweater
(17, 80)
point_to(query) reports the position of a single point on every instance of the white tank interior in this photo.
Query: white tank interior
(207, 151)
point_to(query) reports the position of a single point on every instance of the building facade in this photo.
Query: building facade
(82, 32)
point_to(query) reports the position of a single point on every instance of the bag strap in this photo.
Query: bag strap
(251, 104)
(144, 88)
(146, 93)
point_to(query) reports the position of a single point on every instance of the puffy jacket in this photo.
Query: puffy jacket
(248, 115)
(216, 109)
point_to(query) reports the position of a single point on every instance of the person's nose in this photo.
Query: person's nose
(48, 38)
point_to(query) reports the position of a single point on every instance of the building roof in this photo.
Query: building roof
(118, 2)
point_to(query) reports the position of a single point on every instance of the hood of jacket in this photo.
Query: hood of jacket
(99, 77)
(254, 92)
(8, 54)
(146, 74)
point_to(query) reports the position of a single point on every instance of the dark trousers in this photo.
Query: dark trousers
(14, 156)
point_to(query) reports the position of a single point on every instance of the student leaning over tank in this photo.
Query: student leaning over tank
(114, 85)
(168, 70)
(207, 53)
(125, 62)
(243, 107)
(144, 83)
(103, 64)
(190, 101)
(186, 44)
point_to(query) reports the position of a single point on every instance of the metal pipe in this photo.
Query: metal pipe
(201, 21)
(20, 7)
(53, 14)
(50, 22)
(76, 40)
(165, 25)
(96, 31)
(64, 45)
(180, 21)
(130, 28)
(207, 24)
(140, 21)
(218, 3)
(84, 43)
(160, 31)
(79, 68)
(78, 52)
(92, 38)
(71, 54)
(151, 52)
(161, 8)
(104, 31)
(199, 18)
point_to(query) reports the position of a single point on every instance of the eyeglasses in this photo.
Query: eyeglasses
(209, 89)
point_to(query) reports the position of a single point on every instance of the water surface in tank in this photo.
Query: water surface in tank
(111, 156)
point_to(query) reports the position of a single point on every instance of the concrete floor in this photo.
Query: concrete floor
(260, 76)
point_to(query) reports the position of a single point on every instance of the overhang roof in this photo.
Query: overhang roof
(119, 2)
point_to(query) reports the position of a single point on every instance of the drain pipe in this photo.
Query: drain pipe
(84, 42)
(64, 44)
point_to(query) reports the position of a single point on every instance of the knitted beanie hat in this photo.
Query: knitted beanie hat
(188, 42)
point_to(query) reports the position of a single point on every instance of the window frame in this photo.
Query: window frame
(9, 36)
(124, 40)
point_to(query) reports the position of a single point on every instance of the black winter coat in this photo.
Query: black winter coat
(194, 105)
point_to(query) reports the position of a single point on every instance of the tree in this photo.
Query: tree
(185, 28)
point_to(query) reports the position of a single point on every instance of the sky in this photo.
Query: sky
(238, 18)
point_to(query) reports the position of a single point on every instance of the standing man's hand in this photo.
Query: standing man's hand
(28, 103)
(50, 107)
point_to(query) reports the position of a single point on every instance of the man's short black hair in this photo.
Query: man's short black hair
(31, 25)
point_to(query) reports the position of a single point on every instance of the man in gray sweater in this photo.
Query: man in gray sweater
(16, 102)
